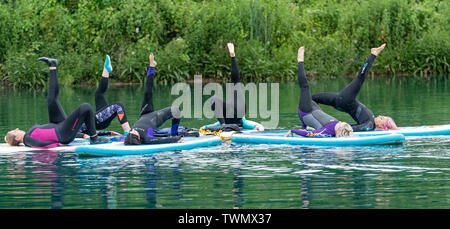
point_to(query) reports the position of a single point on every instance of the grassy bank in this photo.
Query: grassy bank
(189, 37)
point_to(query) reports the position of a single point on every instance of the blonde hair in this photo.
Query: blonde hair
(11, 139)
(343, 129)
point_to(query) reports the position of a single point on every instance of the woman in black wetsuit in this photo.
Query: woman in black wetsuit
(234, 113)
(105, 112)
(346, 101)
(144, 130)
(62, 129)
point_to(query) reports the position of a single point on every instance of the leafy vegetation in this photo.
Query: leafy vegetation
(189, 37)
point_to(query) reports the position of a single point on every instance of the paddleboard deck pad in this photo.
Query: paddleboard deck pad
(226, 135)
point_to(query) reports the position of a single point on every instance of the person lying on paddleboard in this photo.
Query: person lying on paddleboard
(105, 112)
(232, 113)
(62, 129)
(144, 131)
(346, 101)
(310, 113)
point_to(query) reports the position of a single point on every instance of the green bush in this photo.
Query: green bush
(189, 37)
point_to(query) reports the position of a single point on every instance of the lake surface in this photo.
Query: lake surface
(415, 175)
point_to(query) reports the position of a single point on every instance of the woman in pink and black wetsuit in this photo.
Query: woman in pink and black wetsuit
(62, 129)
(310, 113)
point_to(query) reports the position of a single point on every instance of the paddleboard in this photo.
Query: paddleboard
(119, 149)
(6, 148)
(298, 140)
(410, 131)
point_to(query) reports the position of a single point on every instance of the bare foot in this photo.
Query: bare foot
(105, 73)
(231, 49)
(152, 60)
(259, 128)
(301, 54)
(376, 51)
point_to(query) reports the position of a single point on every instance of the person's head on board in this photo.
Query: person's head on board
(343, 129)
(14, 137)
(385, 123)
(133, 138)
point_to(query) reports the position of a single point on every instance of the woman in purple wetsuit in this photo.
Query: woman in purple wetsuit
(62, 129)
(310, 113)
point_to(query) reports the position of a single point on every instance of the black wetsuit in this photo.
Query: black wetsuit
(346, 101)
(105, 112)
(150, 120)
(231, 113)
(62, 129)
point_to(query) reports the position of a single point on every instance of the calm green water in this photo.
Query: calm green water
(415, 175)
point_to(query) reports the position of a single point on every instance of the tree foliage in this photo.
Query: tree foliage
(189, 37)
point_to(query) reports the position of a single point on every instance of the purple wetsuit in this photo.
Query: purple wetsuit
(310, 113)
(326, 131)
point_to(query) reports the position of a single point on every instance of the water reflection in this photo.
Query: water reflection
(238, 182)
(306, 154)
(49, 176)
(414, 175)
(36, 178)
(150, 183)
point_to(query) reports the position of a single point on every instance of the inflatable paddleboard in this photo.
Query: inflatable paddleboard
(298, 140)
(119, 149)
(410, 131)
(6, 148)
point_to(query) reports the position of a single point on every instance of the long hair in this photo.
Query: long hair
(389, 124)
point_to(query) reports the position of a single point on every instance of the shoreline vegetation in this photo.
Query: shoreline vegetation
(189, 37)
(205, 80)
